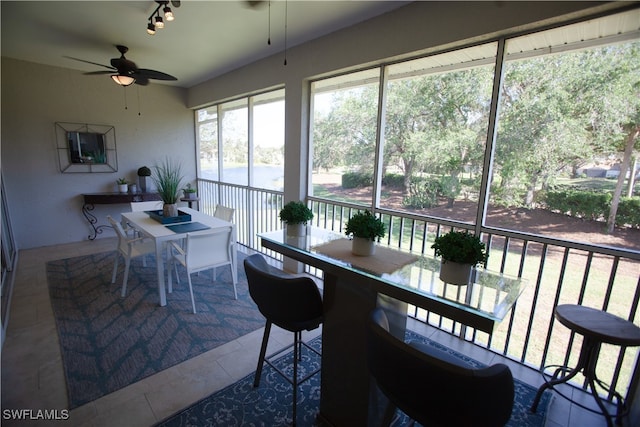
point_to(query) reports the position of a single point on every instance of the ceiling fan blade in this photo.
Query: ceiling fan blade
(141, 80)
(175, 3)
(152, 74)
(255, 3)
(94, 73)
(90, 62)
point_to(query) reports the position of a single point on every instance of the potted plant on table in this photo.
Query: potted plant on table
(460, 251)
(365, 228)
(296, 215)
(143, 175)
(123, 186)
(167, 177)
(189, 192)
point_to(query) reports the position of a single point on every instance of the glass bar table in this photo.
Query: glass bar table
(392, 279)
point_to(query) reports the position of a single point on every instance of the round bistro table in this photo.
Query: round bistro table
(596, 327)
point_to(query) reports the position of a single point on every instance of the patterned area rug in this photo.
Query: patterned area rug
(109, 342)
(241, 404)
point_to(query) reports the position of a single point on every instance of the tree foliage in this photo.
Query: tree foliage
(556, 113)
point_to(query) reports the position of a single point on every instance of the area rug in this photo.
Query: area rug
(108, 342)
(269, 405)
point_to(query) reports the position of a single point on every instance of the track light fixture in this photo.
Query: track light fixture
(156, 21)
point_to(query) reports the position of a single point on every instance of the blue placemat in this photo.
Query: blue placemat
(187, 227)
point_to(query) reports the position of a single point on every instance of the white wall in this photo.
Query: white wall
(45, 205)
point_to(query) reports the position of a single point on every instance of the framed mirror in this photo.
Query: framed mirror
(86, 148)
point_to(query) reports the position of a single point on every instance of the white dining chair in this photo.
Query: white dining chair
(146, 206)
(153, 205)
(224, 213)
(202, 251)
(129, 248)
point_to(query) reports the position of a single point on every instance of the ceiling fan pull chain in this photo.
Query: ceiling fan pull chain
(138, 93)
(124, 88)
(269, 32)
(286, 13)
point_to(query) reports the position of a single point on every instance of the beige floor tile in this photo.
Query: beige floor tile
(33, 377)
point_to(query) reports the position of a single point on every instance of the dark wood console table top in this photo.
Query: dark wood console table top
(596, 327)
(114, 198)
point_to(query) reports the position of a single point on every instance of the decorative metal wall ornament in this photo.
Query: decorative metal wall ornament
(86, 148)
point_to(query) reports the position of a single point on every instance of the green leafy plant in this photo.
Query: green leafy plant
(189, 189)
(366, 225)
(144, 171)
(296, 212)
(121, 181)
(167, 176)
(461, 247)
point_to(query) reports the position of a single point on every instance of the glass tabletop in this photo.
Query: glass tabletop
(490, 294)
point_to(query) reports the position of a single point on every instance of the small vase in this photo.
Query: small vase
(190, 195)
(455, 273)
(169, 210)
(363, 247)
(123, 188)
(296, 230)
(142, 180)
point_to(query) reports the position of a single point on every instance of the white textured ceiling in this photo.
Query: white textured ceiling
(206, 39)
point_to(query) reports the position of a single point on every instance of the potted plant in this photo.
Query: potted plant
(123, 186)
(143, 175)
(167, 177)
(365, 228)
(460, 252)
(296, 214)
(189, 192)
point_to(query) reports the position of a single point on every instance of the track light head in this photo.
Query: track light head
(168, 14)
(151, 29)
(159, 22)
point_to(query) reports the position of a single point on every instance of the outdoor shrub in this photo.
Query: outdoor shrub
(356, 179)
(578, 203)
(449, 186)
(423, 194)
(628, 212)
(394, 180)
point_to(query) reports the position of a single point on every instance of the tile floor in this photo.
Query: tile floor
(32, 375)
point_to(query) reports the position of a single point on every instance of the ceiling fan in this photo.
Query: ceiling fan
(125, 72)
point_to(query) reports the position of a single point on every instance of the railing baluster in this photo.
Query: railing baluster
(258, 209)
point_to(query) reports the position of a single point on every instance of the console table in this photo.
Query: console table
(90, 200)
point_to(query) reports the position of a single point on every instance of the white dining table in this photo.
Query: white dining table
(162, 233)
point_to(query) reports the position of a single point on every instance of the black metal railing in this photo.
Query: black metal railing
(557, 272)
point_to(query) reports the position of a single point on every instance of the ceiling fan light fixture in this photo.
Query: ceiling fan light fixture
(151, 29)
(123, 80)
(168, 14)
(159, 21)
